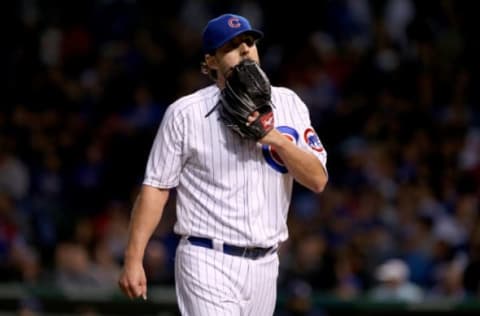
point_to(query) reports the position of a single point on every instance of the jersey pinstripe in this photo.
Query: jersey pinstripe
(226, 190)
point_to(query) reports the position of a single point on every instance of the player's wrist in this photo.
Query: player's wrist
(133, 257)
(273, 138)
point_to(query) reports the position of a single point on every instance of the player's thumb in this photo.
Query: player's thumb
(139, 287)
(144, 292)
(252, 117)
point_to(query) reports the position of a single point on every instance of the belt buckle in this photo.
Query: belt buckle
(253, 253)
(256, 253)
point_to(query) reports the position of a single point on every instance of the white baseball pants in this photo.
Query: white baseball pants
(211, 283)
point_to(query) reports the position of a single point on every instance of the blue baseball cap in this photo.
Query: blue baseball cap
(222, 29)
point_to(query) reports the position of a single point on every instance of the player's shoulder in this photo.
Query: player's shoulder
(197, 98)
(284, 92)
(285, 95)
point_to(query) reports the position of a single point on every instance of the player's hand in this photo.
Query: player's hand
(252, 117)
(133, 281)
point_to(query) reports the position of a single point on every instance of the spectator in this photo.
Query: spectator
(393, 88)
(14, 174)
(394, 284)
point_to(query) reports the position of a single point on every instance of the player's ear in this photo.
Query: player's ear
(209, 67)
(211, 61)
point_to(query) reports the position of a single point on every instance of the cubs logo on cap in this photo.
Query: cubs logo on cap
(222, 29)
(234, 22)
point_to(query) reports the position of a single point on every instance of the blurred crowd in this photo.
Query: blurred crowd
(392, 87)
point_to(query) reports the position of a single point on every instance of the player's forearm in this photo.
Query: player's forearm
(302, 165)
(146, 215)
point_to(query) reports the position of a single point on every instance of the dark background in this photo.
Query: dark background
(393, 91)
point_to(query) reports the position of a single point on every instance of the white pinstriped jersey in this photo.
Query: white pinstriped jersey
(229, 189)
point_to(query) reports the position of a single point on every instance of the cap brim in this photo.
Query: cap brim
(256, 33)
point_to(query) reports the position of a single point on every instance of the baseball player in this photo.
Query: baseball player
(233, 193)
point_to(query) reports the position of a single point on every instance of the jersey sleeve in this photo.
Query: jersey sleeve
(308, 137)
(166, 154)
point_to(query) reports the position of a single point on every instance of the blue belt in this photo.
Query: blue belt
(246, 252)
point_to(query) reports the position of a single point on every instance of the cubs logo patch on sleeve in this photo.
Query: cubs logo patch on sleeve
(312, 140)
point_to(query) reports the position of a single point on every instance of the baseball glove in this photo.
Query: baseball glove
(247, 89)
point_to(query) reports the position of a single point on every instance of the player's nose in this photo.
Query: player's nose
(244, 48)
